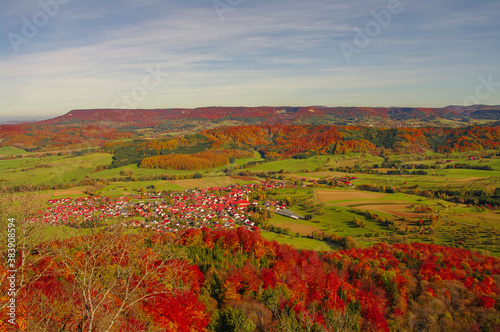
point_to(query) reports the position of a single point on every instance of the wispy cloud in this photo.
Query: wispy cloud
(276, 53)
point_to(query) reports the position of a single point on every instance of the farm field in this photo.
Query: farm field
(319, 161)
(51, 169)
(453, 178)
(328, 219)
(215, 181)
(346, 195)
(388, 203)
(400, 205)
(333, 210)
(250, 166)
(293, 165)
(338, 214)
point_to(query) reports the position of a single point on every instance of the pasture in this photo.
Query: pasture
(299, 243)
(51, 169)
(337, 216)
(395, 205)
(333, 209)
(10, 151)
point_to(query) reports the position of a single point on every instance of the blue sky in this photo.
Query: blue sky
(100, 54)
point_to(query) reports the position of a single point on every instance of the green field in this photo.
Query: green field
(334, 216)
(311, 164)
(10, 151)
(337, 217)
(66, 169)
(51, 170)
(299, 243)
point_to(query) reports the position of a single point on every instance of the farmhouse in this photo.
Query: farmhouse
(288, 213)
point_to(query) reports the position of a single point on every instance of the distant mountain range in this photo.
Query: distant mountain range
(15, 121)
(97, 127)
(388, 116)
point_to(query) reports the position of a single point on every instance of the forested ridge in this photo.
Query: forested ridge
(340, 140)
(96, 127)
(277, 115)
(35, 137)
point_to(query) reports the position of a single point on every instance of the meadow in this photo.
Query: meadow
(336, 211)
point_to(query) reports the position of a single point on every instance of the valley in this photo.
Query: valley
(262, 220)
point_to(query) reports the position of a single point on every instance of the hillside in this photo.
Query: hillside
(90, 128)
(275, 142)
(477, 111)
(234, 280)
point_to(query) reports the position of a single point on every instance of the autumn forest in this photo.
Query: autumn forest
(252, 219)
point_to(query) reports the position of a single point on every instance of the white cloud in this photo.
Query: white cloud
(262, 53)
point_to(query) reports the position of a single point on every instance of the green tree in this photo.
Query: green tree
(231, 319)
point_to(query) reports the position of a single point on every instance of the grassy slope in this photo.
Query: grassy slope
(56, 169)
(59, 169)
(9, 151)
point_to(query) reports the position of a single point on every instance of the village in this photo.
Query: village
(217, 207)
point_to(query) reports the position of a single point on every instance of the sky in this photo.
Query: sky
(60, 55)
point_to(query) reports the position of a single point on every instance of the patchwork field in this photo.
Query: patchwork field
(399, 210)
(336, 208)
(344, 195)
(367, 201)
